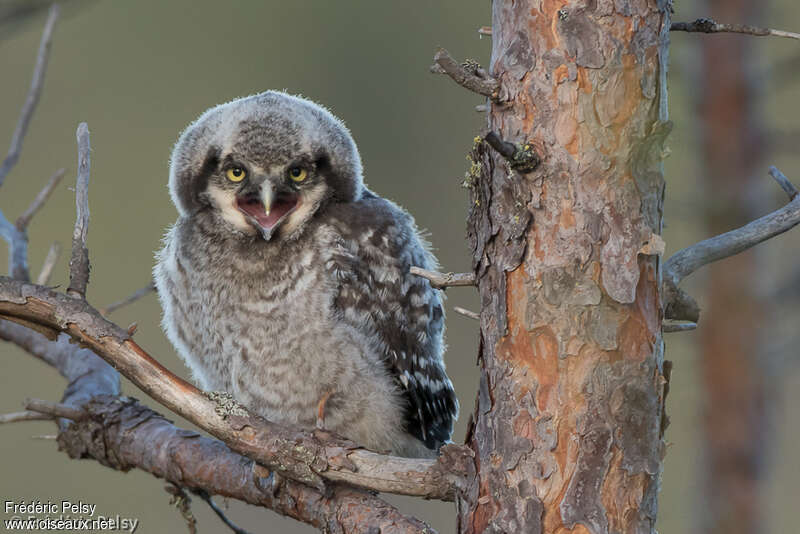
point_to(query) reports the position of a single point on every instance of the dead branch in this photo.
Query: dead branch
(49, 264)
(688, 260)
(24, 220)
(707, 25)
(130, 299)
(444, 280)
(466, 78)
(34, 93)
(79, 261)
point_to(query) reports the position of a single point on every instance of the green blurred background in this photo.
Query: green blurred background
(139, 72)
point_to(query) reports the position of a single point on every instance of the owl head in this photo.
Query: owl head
(264, 165)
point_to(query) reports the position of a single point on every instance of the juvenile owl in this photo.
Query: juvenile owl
(285, 281)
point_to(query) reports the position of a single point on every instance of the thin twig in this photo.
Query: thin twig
(466, 313)
(79, 262)
(444, 280)
(17, 249)
(444, 63)
(27, 415)
(139, 293)
(24, 220)
(54, 409)
(34, 93)
(668, 327)
(784, 182)
(686, 261)
(220, 513)
(49, 264)
(707, 25)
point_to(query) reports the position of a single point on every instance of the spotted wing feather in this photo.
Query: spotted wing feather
(400, 311)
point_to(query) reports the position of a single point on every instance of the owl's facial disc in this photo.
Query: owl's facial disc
(269, 210)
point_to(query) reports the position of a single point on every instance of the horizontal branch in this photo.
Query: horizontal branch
(688, 260)
(307, 457)
(444, 280)
(467, 78)
(707, 25)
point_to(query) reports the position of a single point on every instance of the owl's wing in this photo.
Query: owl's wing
(378, 243)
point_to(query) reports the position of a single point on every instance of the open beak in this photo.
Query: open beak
(267, 208)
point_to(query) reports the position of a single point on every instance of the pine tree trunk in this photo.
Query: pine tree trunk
(734, 422)
(568, 424)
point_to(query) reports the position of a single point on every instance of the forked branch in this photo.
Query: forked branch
(680, 305)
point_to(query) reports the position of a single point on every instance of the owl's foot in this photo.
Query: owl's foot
(321, 410)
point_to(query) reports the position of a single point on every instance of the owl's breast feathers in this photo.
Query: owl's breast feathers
(401, 312)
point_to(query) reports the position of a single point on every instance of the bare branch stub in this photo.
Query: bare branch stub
(669, 327)
(521, 158)
(466, 78)
(444, 280)
(34, 93)
(787, 186)
(466, 313)
(707, 25)
(54, 409)
(24, 220)
(79, 261)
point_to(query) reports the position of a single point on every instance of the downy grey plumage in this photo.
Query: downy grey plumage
(285, 281)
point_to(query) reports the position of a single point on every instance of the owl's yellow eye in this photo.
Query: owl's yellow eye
(298, 174)
(236, 174)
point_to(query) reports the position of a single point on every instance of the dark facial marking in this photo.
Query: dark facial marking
(195, 188)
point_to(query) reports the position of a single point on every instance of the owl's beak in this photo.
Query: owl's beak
(267, 208)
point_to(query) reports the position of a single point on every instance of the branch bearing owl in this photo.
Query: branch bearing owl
(285, 281)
